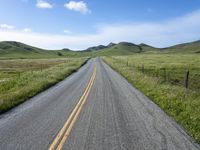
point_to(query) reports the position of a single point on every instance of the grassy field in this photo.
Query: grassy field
(168, 68)
(161, 77)
(21, 79)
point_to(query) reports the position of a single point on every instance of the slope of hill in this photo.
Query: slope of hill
(125, 48)
(192, 47)
(95, 48)
(11, 49)
(100, 47)
(148, 48)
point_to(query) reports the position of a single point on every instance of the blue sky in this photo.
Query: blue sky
(55, 24)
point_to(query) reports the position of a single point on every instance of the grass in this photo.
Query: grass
(16, 50)
(22, 79)
(48, 55)
(180, 103)
(168, 68)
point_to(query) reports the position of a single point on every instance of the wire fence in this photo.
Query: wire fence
(185, 77)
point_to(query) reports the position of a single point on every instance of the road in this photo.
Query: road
(93, 109)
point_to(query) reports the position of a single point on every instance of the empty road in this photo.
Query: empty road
(93, 109)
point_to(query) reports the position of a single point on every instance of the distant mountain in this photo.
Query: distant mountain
(95, 48)
(111, 44)
(124, 48)
(100, 47)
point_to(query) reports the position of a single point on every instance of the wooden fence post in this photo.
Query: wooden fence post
(168, 76)
(165, 74)
(142, 68)
(157, 72)
(187, 79)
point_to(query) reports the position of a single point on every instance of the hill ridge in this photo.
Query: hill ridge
(14, 49)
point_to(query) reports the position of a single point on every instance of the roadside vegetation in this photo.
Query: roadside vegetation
(22, 79)
(163, 78)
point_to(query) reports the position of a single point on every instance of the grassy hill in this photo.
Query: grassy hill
(10, 49)
(100, 47)
(125, 48)
(192, 47)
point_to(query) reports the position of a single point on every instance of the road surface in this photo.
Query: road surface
(93, 109)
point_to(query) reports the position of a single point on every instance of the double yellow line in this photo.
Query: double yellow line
(64, 133)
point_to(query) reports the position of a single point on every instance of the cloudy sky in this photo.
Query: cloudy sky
(56, 24)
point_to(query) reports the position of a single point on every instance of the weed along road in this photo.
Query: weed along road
(93, 109)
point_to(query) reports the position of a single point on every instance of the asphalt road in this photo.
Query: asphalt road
(112, 115)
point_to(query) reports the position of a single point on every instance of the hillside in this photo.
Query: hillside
(95, 48)
(11, 49)
(100, 47)
(125, 48)
(192, 47)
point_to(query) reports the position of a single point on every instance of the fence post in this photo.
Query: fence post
(41, 68)
(142, 68)
(165, 74)
(157, 72)
(168, 76)
(187, 79)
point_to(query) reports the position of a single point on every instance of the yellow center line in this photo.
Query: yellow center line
(63, 134)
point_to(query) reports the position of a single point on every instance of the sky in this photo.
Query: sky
(79, 24)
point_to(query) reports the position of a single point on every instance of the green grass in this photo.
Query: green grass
(22, 79)
(17, 50)
(124, 48)
(168, 68)
(183, 105)
(192, 47)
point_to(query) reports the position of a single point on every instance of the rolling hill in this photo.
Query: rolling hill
(192, 47)
(11, 49)
(100, 47)
(125, 48)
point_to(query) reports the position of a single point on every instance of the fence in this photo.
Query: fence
(187, 78)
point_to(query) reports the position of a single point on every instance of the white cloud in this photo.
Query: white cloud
(77, 6)
(27, 30)
(6, 27)
(43, 4)
(160, 34)
(67, 31)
